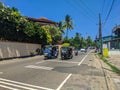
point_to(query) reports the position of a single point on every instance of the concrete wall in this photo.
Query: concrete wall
(114, 52)
(15, 49)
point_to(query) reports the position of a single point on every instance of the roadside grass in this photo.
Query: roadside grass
(113, 67)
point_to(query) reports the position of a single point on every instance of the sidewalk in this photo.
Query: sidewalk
(112, 78)
(115, 60)
(108, 83)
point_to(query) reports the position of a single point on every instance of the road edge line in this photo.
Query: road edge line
(83, 59)
(61, 85)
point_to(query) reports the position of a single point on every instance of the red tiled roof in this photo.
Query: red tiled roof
(42, 20)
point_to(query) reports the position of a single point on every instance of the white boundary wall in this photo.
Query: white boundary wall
(16, 49)
(114, 52)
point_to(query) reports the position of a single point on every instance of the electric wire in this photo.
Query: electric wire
(103, 6)
(78, 9)
(109, 12)
(87, 9)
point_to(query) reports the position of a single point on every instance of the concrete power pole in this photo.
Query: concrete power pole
(100, 35)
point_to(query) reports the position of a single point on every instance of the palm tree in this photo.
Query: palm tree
(68, 24)
(61, 28)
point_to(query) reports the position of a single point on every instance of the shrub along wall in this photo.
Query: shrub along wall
(16, 49)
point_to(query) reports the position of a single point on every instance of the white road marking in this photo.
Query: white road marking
(8, 87)
(39, 67)
(1, 72)
(83, 59)
(40, 62)
(22, 85)
(61, 85)
(17, 85)
(62, 61)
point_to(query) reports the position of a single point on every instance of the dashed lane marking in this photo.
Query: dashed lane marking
(14, 85)
(39, 67)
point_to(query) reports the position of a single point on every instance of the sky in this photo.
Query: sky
(84, 13)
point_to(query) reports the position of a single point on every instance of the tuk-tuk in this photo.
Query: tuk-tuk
(50, 52)
(66, 52)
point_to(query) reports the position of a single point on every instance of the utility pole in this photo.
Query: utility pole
(100, 35)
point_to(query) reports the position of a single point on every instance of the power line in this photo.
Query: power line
(76, 7)
(109, 12)
(87, 8)
(103, 6)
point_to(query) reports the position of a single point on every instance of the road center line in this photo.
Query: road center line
(61, 85)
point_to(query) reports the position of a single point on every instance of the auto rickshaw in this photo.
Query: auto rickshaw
(66, 52)
(50, 52)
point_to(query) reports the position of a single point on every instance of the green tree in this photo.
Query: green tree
(55, 33)
(61, 27)
(68, 24)
(9, 18)
(47, 38)
(89, 41)
(77, 40)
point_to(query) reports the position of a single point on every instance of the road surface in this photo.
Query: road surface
(35, 73)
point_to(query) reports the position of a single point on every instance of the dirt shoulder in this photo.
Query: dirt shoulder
(113, 79)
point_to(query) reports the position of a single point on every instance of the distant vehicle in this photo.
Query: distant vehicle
(92, 47)
(83, 50)
(76, 51)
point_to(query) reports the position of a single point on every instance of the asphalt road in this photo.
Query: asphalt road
(35, 73)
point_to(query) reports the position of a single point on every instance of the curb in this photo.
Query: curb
(109, 81)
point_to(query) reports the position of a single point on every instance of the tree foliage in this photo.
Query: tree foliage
(15, 27)
(79, 42)
(68, 24)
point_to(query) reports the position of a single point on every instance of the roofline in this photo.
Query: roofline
(115, 28)
(42, 21)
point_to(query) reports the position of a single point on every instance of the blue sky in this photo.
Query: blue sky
(83, 12)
